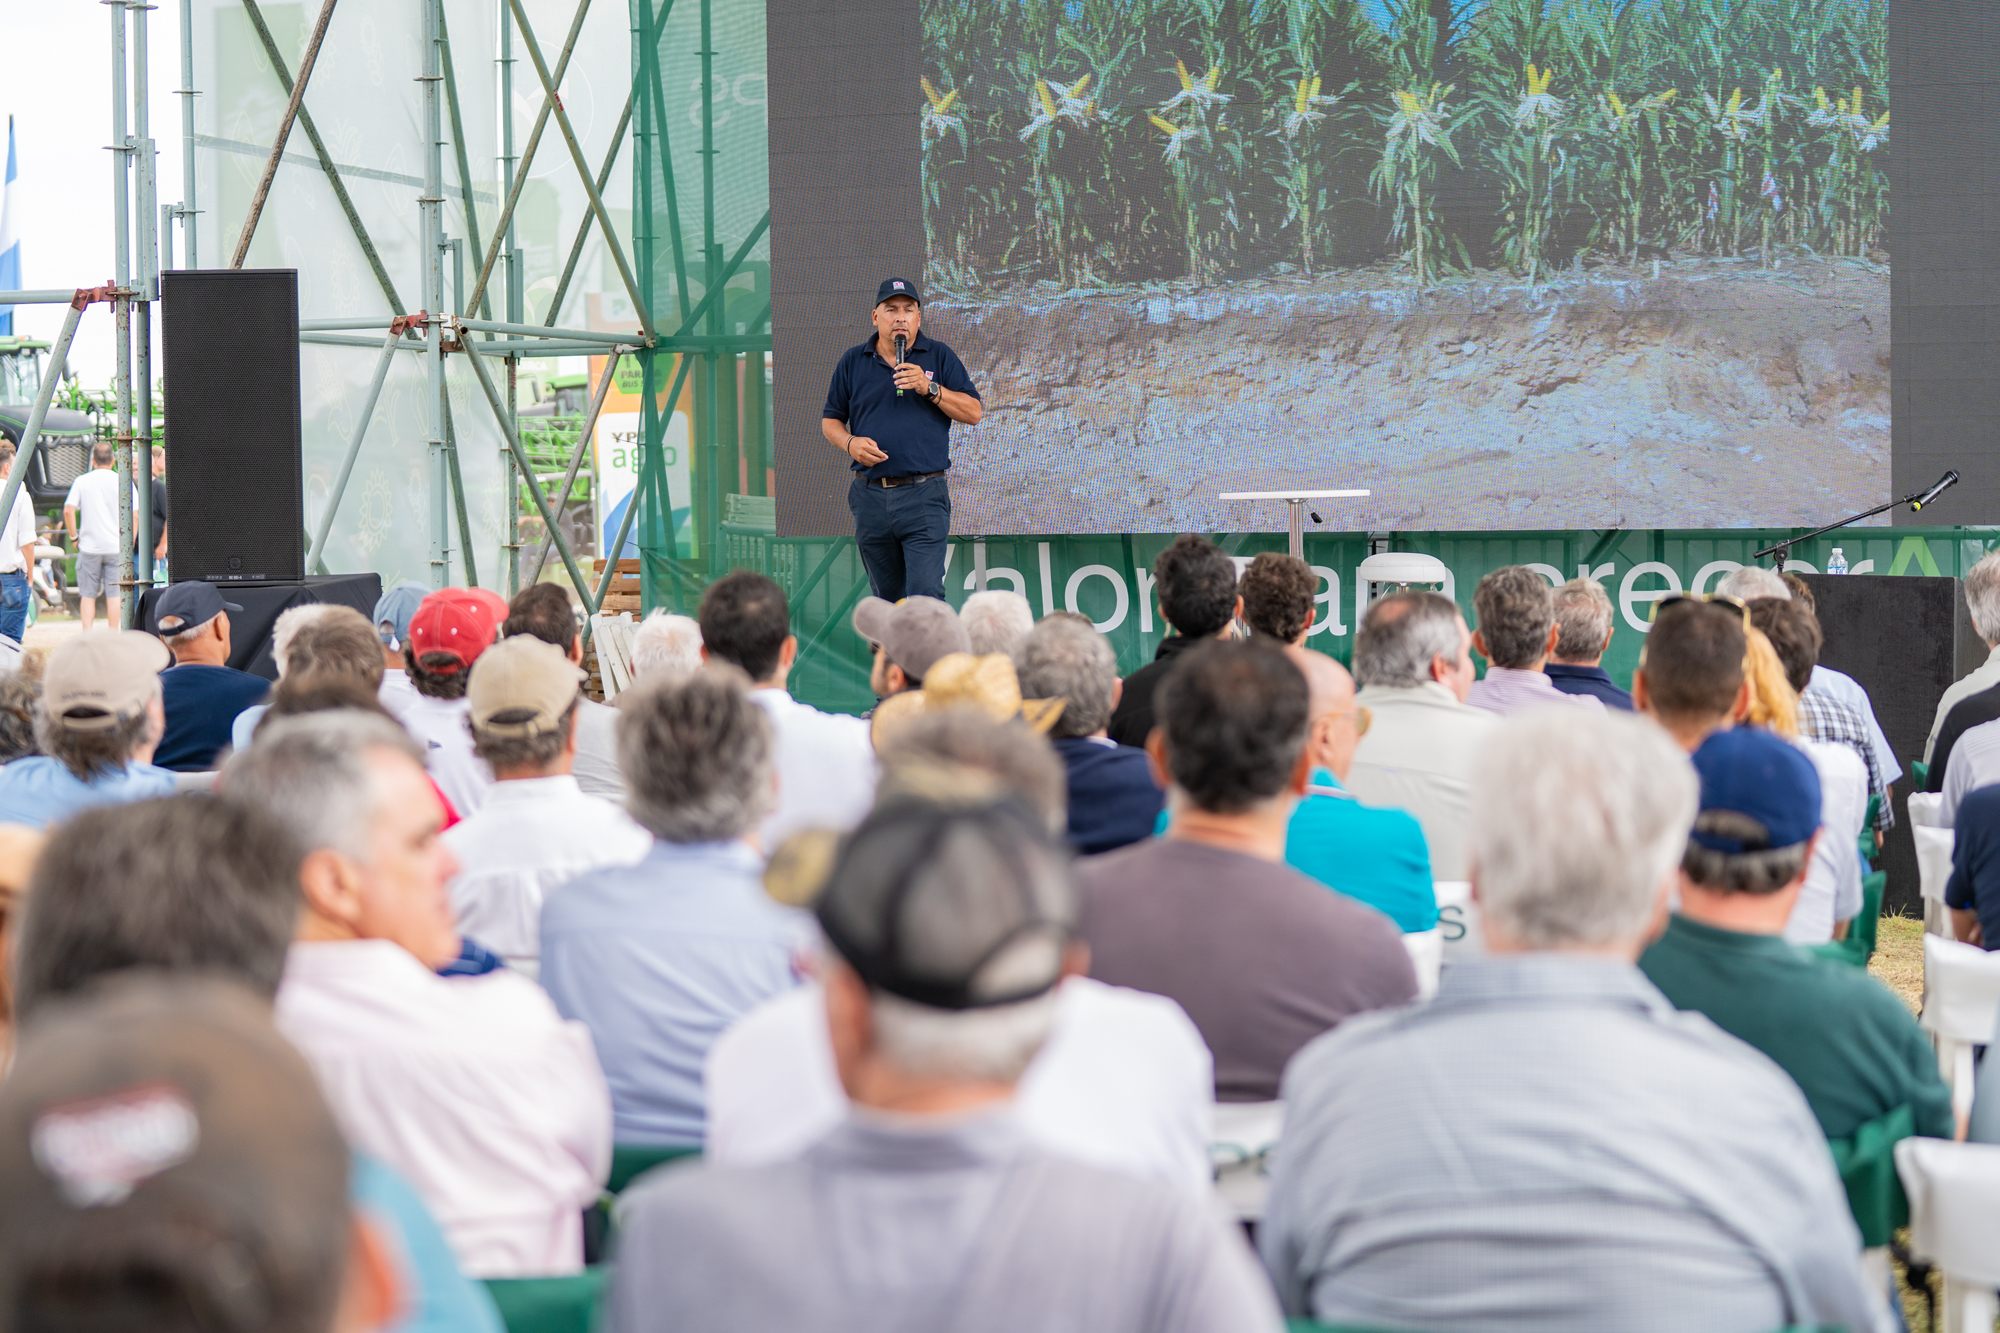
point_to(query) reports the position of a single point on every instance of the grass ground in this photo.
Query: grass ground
(1899, 958)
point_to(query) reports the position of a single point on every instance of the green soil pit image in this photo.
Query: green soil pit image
(1686, 393)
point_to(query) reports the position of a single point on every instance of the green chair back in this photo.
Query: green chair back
(1867, 1164)
(631, 1160)
(550, 1304)
(1920, 774)
(1859, 946)
(1867, 843)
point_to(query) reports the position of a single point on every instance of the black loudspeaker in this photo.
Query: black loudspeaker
(1905, 640)
(235, 498)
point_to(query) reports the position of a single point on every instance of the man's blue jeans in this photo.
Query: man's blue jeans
(901, 533)
(14, 596)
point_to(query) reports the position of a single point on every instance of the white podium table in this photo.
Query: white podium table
(1297, 501)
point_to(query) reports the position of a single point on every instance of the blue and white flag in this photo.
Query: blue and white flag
(10, 240)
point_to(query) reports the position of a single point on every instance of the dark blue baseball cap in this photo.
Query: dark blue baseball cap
(189, 605)
(892, 287)
(1764, 778)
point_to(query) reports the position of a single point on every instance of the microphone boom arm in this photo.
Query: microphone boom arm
(1915, 499)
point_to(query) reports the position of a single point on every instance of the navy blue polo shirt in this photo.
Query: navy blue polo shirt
(1975, 862)
(915, 434)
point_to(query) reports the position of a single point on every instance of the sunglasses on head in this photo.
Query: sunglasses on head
(1701, 599)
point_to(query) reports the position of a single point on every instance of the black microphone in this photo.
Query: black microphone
(1944, 483)
(902, 342)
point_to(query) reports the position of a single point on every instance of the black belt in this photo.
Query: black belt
(891, 483)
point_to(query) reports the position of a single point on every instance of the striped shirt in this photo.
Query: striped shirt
(1825, 718)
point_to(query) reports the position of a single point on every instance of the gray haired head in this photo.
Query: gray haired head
(696, 755)
(1402, 634)
(1982, 596)
(1751, 582)
(1583, 620)
(313, 772)
(1065, 658)
(996, 621)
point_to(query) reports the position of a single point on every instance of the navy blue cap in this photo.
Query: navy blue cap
(897, 287)
(187, 606)
(1766, 779)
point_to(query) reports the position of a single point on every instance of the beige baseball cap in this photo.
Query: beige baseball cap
(111, 674)
(521, 686)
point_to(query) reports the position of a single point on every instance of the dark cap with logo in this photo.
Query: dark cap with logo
(893, 287)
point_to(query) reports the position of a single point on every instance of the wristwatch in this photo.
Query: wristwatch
(937, 391)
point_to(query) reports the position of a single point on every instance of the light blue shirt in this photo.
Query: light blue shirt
(441, 1299)
(39, 791)
(656, 959)
(245, 726)
(1370, 853)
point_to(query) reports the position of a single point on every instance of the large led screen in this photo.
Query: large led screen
(1512, 264)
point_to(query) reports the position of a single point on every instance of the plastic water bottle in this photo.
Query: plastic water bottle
(1837, 565)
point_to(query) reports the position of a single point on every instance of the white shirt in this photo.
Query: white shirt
(825, 764)
(532, 835)
(95, 497)
(1833, 879)
(396, 693)
(1982, 677)
(1124, 1082)
(1841, 686)
(473, 1088)
(19, 532)
(439, 726)
(596, 765)
(1417, 756)
(1974, 763)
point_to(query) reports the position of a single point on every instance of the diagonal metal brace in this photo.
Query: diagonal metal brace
(284, 133)
(582, 169)
(576, 458)
(583, 227)
(325, 525)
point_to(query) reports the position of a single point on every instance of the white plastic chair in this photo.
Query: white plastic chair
(1934, 848)
(1243, 1136)
(1427, 957)
(1458, 920)
(1961, 1008)
(1927, 809)
(1954, 1192)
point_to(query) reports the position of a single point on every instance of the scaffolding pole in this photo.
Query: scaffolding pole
(576, 459)
(121, 234)
(149, 291)
(31, 436)
(432, 204)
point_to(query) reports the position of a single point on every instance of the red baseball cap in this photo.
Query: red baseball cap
(460, 621)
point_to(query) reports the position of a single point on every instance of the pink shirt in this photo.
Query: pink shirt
(473, 1088)
(1508, 690)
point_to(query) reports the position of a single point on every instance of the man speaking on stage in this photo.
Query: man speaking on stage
(890, 409)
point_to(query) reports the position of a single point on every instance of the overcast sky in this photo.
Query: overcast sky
(57, 87)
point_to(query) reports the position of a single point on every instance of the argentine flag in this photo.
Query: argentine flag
(10, 240)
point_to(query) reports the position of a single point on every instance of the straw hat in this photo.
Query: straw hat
(961, 680)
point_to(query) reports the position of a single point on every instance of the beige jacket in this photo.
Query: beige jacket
(1417, 756)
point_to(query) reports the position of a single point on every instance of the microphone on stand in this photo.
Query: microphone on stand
(902, 342)
(1944, 483)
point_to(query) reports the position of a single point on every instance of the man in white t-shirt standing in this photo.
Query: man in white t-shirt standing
(17, 555)
(93, 499)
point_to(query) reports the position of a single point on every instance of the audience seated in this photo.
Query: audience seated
(1584, 623)
(1846, 1041)
(1277, 592)
(1973, 892)
(538, 829)
(1832, 893)
(996, 621)
(543, 611)
(283, 630)
(1262, 958)
(907, 636)
(1982, 600)
(166, 1163)
(665, 647)
(448, 631)
(1548, 1145)
(20, 691)
(1372, 855)
(1412, 662)
(1124, 1081)
(201, 694)
(97, 724)
(194, 885)
(658, 958)
(1113, 800)
(1517, 632)
(1197, 587)
(824, 762)
(930, 1206)
(471, 1087)
(392, 627)
(333, 640)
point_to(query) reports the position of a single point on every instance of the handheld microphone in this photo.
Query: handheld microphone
(902, 342)
(1944, 483)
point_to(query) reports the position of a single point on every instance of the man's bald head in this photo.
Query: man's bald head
(1334, 730)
